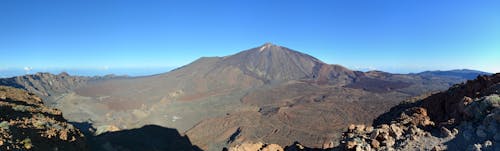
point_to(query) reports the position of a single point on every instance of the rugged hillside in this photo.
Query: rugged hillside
(50, 86)
(284, 90)
(285, 111)
(309, 113)
(46, 84)
(26, 124)
(466, 116)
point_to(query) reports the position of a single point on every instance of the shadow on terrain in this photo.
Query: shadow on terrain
(394, 113)
(11, 82)
(149, 137)
(377, 85)
(85, 127)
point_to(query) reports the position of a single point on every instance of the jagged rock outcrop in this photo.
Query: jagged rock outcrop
(450, 105)
(26, 124)
(45, 84)
(465, 117)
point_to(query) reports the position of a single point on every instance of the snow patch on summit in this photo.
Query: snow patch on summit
(267, 45)
(263, 47)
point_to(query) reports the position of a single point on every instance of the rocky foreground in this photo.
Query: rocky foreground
(26, 124)
(465, 117)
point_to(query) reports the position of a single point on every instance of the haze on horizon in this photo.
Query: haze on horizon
(146, 37)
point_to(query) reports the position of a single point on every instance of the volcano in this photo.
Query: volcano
(268, 93)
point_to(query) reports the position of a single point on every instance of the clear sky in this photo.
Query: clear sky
(392, 35)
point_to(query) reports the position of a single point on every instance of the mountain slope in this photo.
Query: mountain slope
(270, 62)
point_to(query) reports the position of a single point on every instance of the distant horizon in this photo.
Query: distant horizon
(134, 72)
(137, 72)
(386, 35)
(146, 71)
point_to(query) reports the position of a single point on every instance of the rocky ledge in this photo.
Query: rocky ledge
(465, 117)
(26, 124)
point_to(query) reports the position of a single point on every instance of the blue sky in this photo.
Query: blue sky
(392, 35)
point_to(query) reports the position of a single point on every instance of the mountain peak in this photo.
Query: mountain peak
(270, 62)
(268, 46)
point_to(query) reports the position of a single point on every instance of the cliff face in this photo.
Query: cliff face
(45, 84)
(26, 124)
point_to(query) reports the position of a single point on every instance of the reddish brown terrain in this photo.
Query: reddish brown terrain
(269, 93)
(464, 117)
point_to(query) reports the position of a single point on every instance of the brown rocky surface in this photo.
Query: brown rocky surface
(259, 146)
(465, 117)
(451, 105)
(304, 112)
(256, 146)
(26, 124)
(431, 122)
